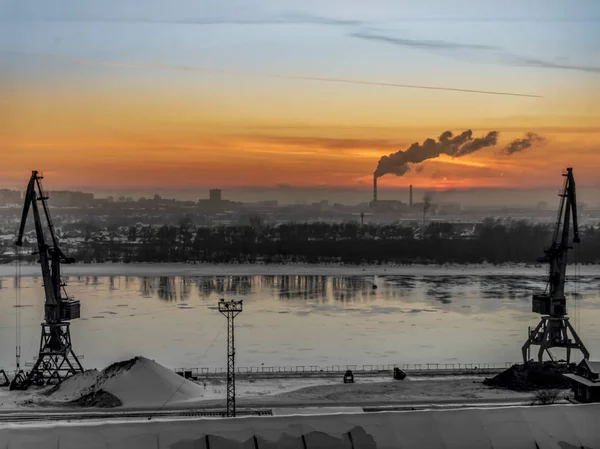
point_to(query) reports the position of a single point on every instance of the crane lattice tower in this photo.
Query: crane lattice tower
(56, 359)
(554, 329)
(230, 309)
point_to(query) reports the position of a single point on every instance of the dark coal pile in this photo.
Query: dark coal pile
(530, 376)
(100, 398)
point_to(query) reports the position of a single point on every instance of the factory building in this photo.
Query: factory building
(68, 198)
(214, 195)
(388, 205)
(585, 383)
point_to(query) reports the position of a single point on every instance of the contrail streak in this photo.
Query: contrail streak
(143, 65)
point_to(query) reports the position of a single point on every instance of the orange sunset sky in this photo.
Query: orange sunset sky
(106, 96)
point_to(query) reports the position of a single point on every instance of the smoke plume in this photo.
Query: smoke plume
(477, 144)
(455, 146)
(522, 144)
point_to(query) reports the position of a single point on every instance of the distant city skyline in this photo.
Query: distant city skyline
(307, 195)
(151, 95)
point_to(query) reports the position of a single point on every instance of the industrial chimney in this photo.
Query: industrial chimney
(374, 187)
(410, 196)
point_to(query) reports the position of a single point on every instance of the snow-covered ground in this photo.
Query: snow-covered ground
(141, 383)
(322, 415)
(513, 427)
(212, 390)
(147, 384)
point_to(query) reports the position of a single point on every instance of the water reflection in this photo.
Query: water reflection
(441, 289)
(510, 287)
(282, 287)
(229, 285)
(442, 295)
(166, 288)
(186, 288)
(300, 319)
(91, 280)
(147, 287)
(298, 287)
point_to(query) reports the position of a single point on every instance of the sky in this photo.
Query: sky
(283, 94)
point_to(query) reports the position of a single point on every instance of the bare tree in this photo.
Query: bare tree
(546, 397)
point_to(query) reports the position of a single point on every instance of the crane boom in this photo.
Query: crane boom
(557, 254)
(50, 256)
(56, 360)
(554, 327)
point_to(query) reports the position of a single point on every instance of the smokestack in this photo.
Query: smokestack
(374, 187)
(410, 196)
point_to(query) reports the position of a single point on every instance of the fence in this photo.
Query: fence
(338, 369)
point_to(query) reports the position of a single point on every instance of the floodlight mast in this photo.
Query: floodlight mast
(230, 309)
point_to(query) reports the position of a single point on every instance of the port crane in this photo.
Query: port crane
(56, 360)
(554, 327)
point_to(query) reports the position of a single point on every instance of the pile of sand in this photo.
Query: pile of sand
(75, 386)
(530, 376)
(135, 382)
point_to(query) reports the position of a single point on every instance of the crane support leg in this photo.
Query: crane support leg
(4, 382)
(579, 344)
(529, 341)
(56, 360)
(554, 333)
(543, 346)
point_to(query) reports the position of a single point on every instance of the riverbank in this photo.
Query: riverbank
(184, 269)
(141, 383)
(281, 393)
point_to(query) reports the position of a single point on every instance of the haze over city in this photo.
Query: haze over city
(351, 224)
(132, 96)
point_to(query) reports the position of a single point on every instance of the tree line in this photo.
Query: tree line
(494, 241)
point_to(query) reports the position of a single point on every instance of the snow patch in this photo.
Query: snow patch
(571, 426)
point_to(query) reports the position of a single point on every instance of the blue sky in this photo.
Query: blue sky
(314, 37)
(84, 75)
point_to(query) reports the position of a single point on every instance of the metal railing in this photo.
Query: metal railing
(315, 369)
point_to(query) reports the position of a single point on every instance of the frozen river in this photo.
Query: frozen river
(297, 320)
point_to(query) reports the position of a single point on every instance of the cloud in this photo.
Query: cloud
(326, 142)
(200, 17)
(457, 50)
(299, 17)
(417, 43)
(518, 145)
(439, 175)
(140, 65)
(525, 61)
